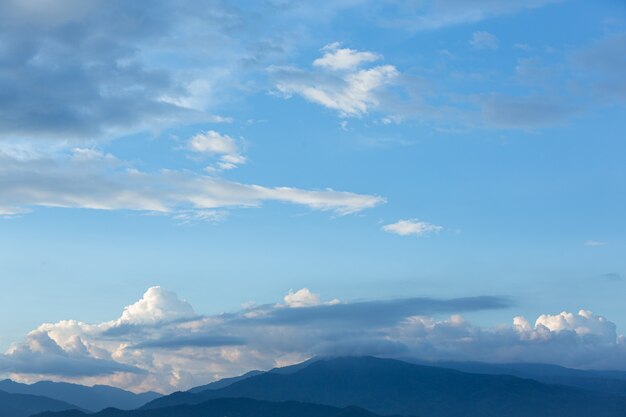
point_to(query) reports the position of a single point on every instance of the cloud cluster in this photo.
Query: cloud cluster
(341, 84)
(160, 342)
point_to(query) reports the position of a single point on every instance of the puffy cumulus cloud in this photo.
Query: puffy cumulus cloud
(302, 298)
(305, 298)
(41, 355)
(352, 92)
(155, 306)
(225, 147)
(160, 343)
(84, 178)
(585, 324)
(413, 227)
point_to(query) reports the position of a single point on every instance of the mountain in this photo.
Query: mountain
(93, 398)
(21, 405)
(222, 383)
(607, 382)
(231, 407)
(387, 386)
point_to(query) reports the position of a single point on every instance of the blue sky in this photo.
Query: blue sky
(365, 151)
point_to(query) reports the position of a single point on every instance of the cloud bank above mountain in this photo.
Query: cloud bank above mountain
(161, 343)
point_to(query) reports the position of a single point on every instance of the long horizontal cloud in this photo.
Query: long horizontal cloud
(378, 313)
(174, 342)
(172, 347)
(88, 179)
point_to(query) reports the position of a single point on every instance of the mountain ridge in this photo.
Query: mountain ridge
(387, 386)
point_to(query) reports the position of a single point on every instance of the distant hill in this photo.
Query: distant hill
(386, 386)
(21, 405)
(607, 382)
(222, 383)
(93, 398)
(231, 407)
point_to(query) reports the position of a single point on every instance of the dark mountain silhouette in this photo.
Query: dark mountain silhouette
(387, 386)
(21, 405)
(231, 407)
(93, 398)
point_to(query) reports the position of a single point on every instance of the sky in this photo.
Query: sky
(190, 190)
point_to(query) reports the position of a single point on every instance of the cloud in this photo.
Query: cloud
(376, 313)
(584, 324)
(155, 306)
(92, 180)
(412, 227)
(484, 40)
(352, 92)
(160, 343)
(337, 58)
(302, 298)
(225, 147)
(199, 341)
(436, 14)
(604, 60)
(526, 112)
(41, 355)
(592, 242)
(611, 276)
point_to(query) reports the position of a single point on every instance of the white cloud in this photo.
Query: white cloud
(89, 179)
(592, 242)
(212, 143)
(160, 343)
(336, 58)
(584, 324)
(412, 227)
(302, 298)
(155, 306)
(484, 40)
(352, 92)
(305, 298)
(225, 147)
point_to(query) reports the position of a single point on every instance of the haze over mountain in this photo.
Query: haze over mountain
(93, 398)
(388, 386)
(22, 405)
(608, 382)
(232, 407)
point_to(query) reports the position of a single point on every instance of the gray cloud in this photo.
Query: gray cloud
(378, 313)
(611, 276)
(526, 112)
(198, 341)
